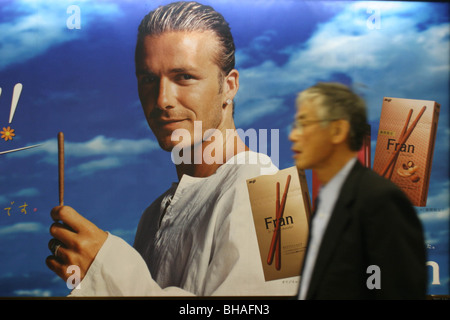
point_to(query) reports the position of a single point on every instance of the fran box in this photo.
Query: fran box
(405, 145)
(281, 212)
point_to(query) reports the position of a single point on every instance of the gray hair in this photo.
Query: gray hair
(337, 101)
(191, 16)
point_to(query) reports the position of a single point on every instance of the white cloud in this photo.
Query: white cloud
(436, 217)
(3, 199)
(400, 58)
(27, 192)
(39, 25)
(33, 293)
(102, 145)
(258, 48)
(95, 165)
(256, 109)
(435, 223)
(105, 153)
(440, 199)
(97, 146)
(22, 227)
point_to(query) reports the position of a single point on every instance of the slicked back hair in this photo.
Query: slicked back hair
(189, 17)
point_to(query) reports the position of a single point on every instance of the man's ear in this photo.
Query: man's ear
(231, 85)
(340, 131)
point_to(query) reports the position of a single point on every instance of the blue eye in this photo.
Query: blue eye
(186, 77)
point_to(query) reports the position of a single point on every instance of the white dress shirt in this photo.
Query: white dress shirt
(198, 238)
(328, 195)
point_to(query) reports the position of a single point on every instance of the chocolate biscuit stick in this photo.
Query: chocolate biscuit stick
(402, 141)
(61, 167)
(405, 128)
(278, 239)
(277, 209)
(277, 230)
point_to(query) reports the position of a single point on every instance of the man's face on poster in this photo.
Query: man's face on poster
(179, 82)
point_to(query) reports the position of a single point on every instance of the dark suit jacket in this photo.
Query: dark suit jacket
(373, 223)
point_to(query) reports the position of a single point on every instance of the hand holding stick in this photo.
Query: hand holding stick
(76, 240)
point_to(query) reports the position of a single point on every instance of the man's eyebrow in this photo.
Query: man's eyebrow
(140, 71)
(181, 70)
(301, 117)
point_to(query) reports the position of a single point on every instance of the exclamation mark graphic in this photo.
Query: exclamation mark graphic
(8, 133)
(15, 99)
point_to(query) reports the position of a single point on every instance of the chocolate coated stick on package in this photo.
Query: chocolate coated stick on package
(281, 212)
(405, 145)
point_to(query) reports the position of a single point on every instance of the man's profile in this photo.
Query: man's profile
(363, 221)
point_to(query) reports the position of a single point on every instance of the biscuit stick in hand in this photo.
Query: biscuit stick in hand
(61, 167)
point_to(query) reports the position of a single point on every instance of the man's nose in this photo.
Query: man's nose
(165, 94)
(292, 136)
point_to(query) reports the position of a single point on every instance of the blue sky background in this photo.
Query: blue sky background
(81, 82)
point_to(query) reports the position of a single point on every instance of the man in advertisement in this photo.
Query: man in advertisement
(198, 237)
(366, 240)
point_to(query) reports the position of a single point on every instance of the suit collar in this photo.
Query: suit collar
(338, 220)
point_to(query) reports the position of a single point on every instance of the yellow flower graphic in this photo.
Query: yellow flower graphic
(7, 133)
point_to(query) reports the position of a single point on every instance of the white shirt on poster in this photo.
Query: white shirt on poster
(198, 238)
